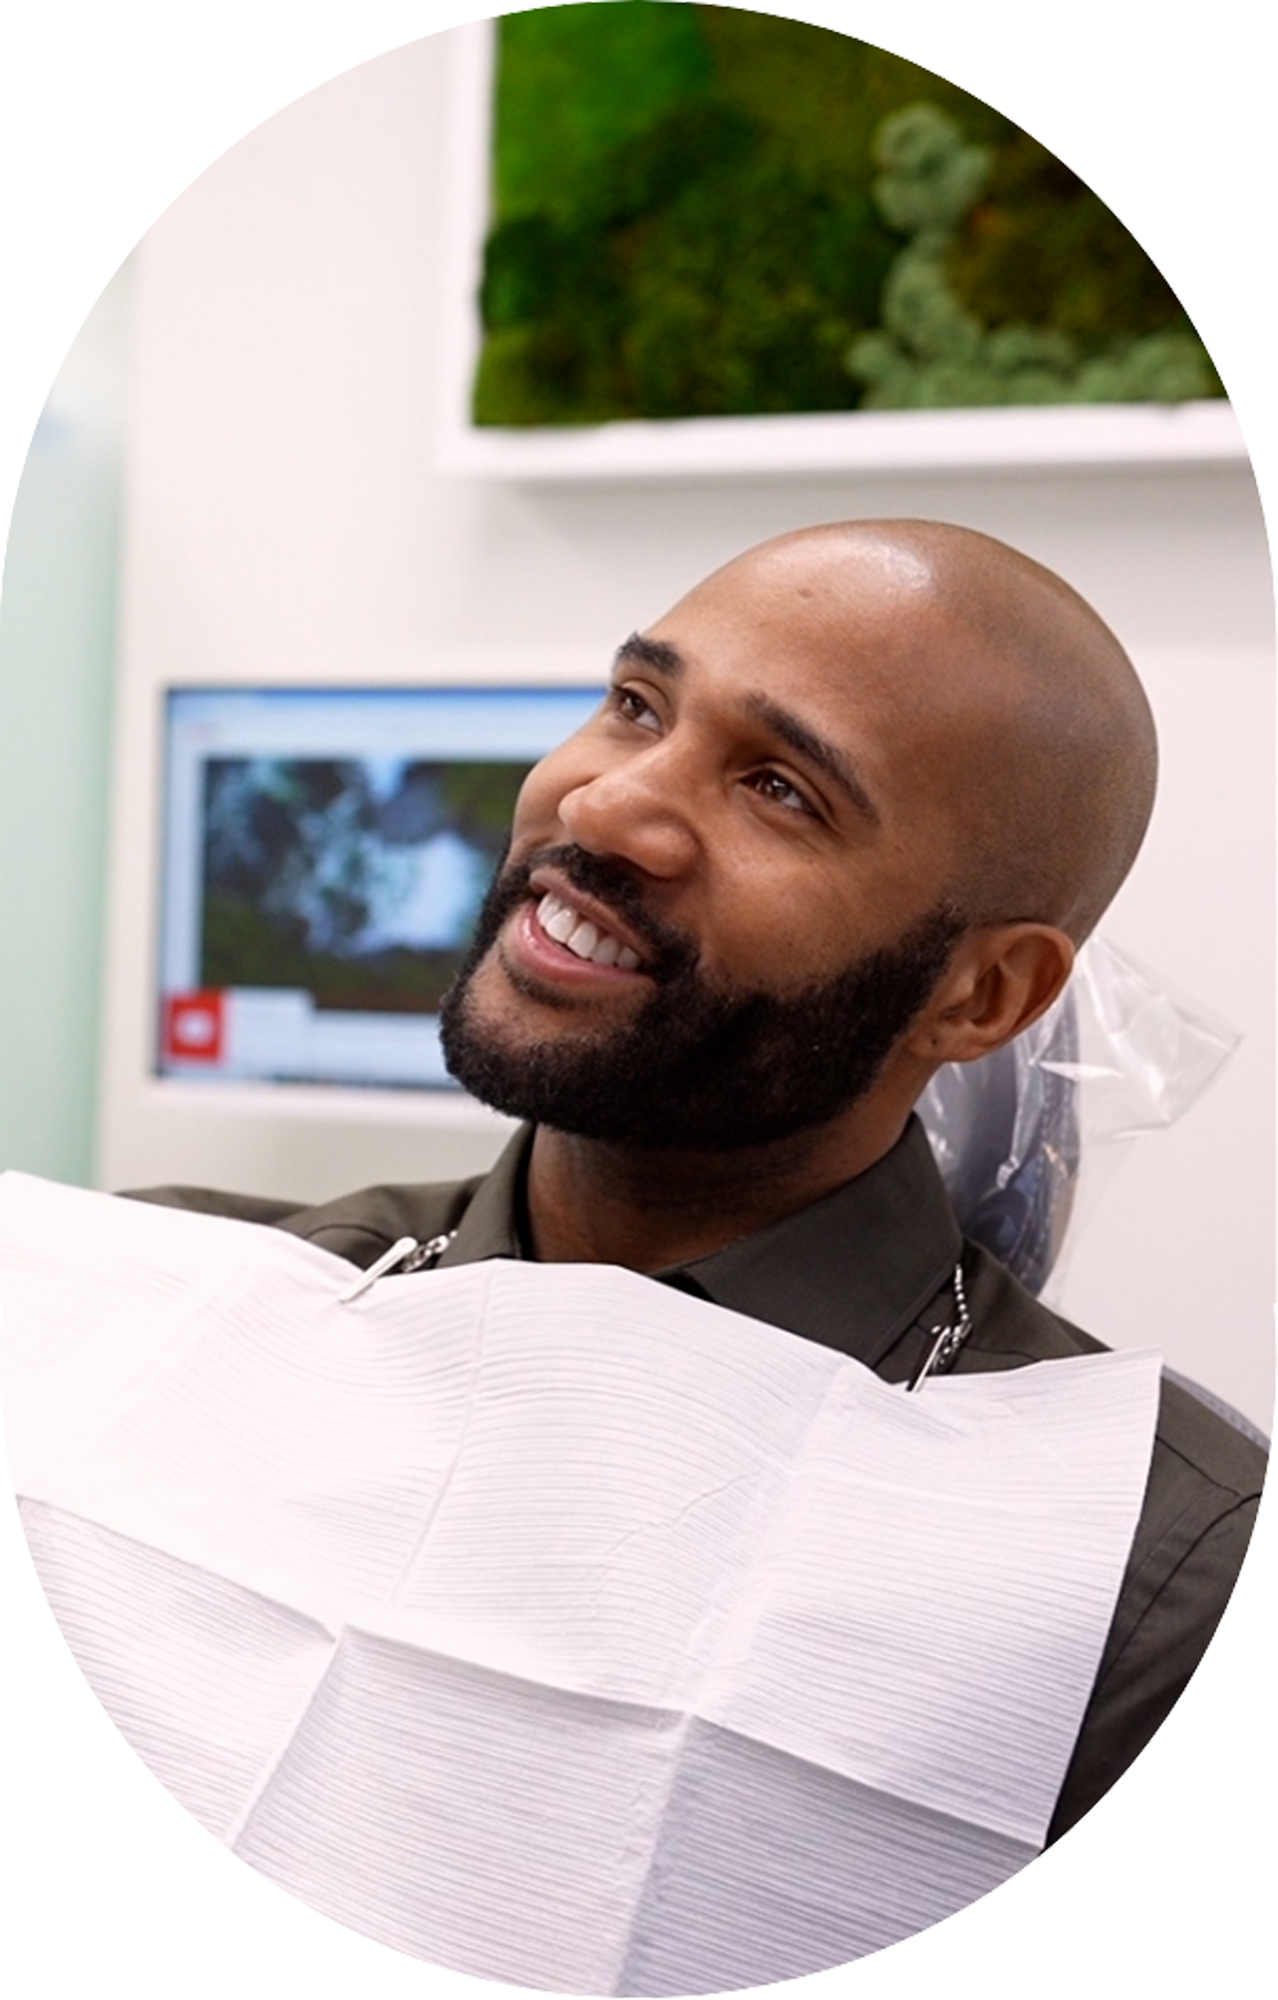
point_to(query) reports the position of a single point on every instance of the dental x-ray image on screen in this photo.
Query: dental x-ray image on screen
(326, 852)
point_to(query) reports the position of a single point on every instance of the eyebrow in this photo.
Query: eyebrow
(638, 651)
(800, 737)
(816, 750)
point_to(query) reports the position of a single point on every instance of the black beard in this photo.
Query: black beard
(700, 1067)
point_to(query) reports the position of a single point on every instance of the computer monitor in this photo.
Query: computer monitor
(324, 855)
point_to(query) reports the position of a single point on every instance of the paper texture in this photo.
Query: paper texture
(543, 1622)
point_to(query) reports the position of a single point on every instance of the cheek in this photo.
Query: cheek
(782, 929)
(788, 927)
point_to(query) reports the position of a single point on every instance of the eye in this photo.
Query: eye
(632, 706)
(778, 790)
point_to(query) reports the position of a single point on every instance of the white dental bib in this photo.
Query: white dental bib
(545, 1623)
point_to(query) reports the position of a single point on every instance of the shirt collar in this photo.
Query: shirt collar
(490, 1225)
(852, 1271)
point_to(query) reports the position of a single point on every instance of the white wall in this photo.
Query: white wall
(285, 520)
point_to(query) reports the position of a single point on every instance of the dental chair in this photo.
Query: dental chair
(1006, 1133)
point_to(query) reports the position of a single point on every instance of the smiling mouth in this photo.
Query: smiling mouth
(582, 937)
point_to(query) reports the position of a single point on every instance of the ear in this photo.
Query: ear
(1000, 978)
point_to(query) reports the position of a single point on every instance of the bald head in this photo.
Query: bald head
(1027, 711)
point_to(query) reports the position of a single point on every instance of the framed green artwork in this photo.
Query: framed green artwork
(698, 239)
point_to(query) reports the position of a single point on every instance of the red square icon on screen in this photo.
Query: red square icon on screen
(194, 1026)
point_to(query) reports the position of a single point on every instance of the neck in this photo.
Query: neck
(649, 1208)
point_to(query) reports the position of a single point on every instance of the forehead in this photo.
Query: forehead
(863, 644)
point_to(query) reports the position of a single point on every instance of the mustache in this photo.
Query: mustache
(667, 950)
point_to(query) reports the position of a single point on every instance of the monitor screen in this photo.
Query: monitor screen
(325, 855)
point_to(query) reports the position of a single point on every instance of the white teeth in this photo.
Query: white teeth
(560, 925)
(581, 937)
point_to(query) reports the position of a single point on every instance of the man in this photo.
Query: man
(843, 817)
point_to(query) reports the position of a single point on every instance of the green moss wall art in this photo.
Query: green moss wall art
(701, 211)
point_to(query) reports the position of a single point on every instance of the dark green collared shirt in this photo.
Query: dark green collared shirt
(868, 1271)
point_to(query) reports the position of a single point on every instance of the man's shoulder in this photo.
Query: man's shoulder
(1200, 1441)
(358, 1226)
(1206, 1471)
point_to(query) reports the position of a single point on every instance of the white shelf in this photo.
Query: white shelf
(1054, 438)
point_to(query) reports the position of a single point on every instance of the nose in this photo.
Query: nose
(635, 811)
